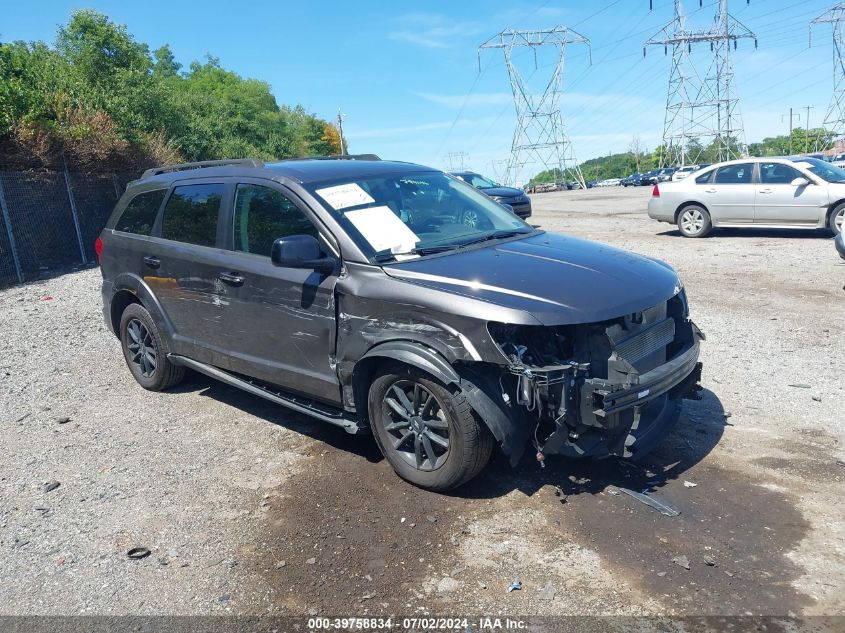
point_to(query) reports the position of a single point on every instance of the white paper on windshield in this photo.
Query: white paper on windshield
(383, 229)
(805, 165)
(343, 196)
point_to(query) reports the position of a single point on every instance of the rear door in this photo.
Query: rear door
(182, 264)
(730, 194)
(280, 322)
(780, 202)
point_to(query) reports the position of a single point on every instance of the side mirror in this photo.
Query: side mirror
(300, 251)
(800, 182)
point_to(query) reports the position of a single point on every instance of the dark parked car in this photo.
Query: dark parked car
(631, 181)
(649, 177)
(353, 291)
(510, 196)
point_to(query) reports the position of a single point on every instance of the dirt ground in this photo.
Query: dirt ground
(248, 509)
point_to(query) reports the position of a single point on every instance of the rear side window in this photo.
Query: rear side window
(190, 214)
(263, 215)
(140, 214)
(704, 178)
(734, 174)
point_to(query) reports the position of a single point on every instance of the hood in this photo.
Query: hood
(503, 192)
(557, 279)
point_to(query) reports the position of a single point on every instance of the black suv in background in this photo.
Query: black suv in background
(514, 198)
(356, 292)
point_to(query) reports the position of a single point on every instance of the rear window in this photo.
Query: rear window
(190, 214)
(140, 214)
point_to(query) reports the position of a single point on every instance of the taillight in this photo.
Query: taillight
(98, 248)
(655, 193)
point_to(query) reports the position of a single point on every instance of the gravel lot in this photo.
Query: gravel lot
(248, 509)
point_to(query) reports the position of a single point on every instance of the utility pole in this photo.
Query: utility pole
(791, 117)
(834, 118)
(340, 118)
(539, 138)
(701, 103)
(807, 127)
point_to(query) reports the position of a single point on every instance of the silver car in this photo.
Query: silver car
(795, 192)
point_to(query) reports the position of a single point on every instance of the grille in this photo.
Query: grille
(647, 342)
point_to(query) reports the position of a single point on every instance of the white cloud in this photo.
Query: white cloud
(431, 30)
(472, 100)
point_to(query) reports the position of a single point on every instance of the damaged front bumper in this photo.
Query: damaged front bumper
(620, 396)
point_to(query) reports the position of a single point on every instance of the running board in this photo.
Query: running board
(300, 405)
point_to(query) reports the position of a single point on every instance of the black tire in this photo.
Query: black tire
(694, 221)
(837, 219)
(136, 325)
(470, 442)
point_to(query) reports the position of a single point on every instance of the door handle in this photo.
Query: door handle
(152, 262)
(765, 191)
(710, 191)
(233, 279)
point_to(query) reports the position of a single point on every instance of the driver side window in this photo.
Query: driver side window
(262, 215)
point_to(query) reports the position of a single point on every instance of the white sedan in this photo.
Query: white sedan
(758, 192)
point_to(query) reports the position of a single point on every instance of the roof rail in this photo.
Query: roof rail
(164, 169)
(337, 157)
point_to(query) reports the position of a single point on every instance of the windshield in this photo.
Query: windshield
(402, 216)
(822, 169)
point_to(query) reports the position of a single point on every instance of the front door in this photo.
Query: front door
(780, 202)
(280, 322)
(730, 197)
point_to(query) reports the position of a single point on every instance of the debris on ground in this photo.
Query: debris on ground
(431, 518)
(50, 486)
(709, 561)
(457, 569)
(800, 385)
(281, 564)
(681, 561)
(482, 584)
(224, 598)
(817, 398)
(63, 420)
(690, 484)
(310, 561)
(515, 586)
(447, 585)
(653, 501)
(368, 596)
(137, 553)
(547, 593)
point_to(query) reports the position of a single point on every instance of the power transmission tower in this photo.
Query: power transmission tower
(499, 169)
(456, 160)
(701, 107)
(539, 139)
(834, 119)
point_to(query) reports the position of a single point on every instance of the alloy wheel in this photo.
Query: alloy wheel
(471, 219)
(416, 425)
(692, 221)
(839, 219)
(141, 347)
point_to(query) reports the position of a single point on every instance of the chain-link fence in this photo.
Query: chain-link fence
(50, 219)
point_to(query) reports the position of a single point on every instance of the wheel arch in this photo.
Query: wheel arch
(132, 289)
(690, 203)
(830, 209)
(475, 380)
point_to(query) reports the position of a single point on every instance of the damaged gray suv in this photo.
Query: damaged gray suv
(357, 291)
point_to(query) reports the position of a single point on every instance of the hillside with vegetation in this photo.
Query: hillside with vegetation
(97, 97)
(634, 161)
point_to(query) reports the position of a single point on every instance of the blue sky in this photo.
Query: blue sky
(407, 76)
